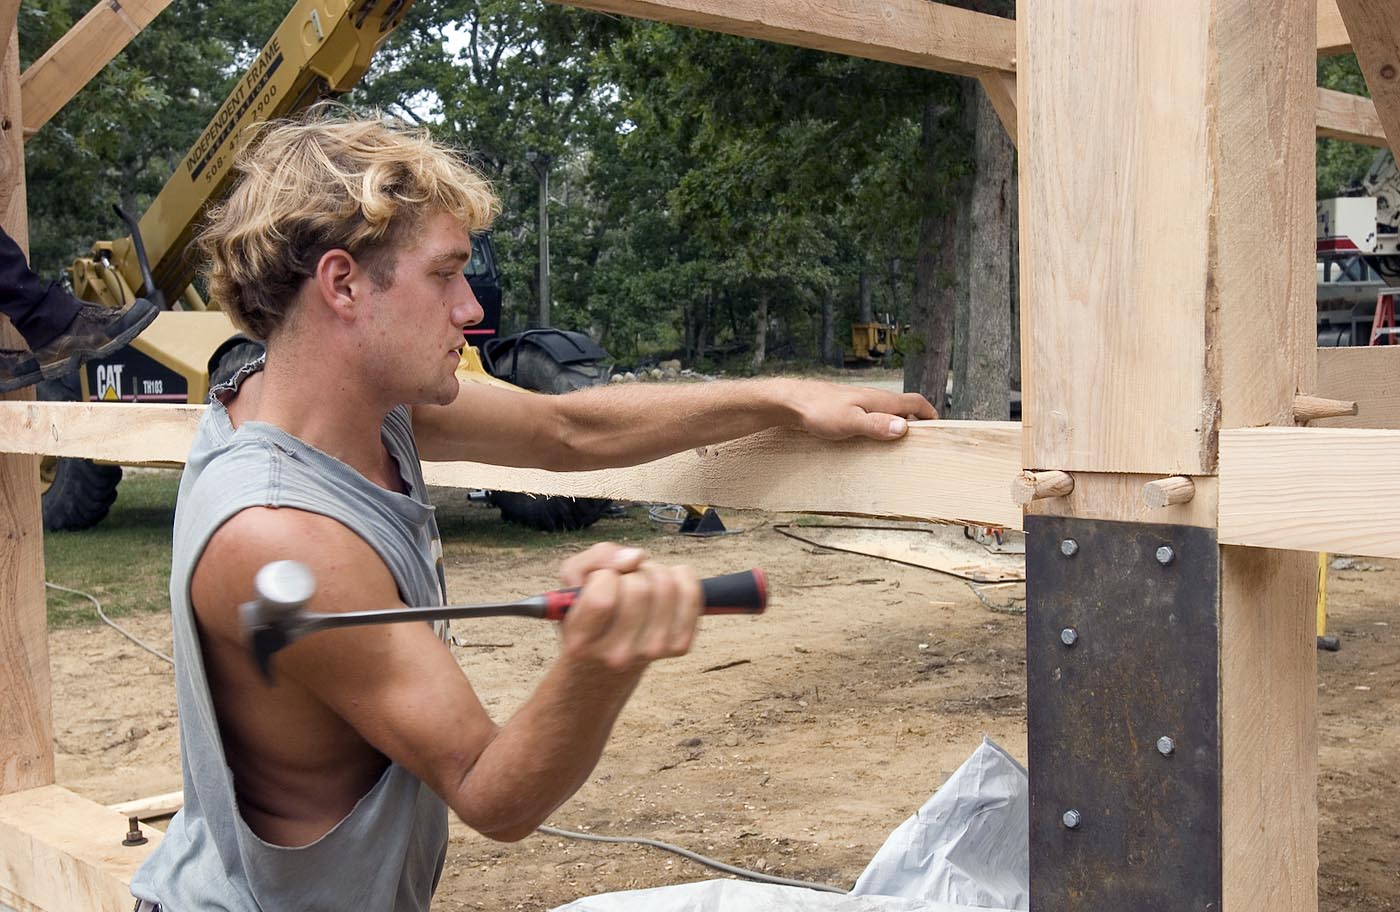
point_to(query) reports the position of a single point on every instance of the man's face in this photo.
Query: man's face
(414, 334)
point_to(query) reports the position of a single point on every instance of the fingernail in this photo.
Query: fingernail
(898, 426)
(629, 554)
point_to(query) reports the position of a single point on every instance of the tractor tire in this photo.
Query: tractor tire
(233, 360)
(76, 493)
(536, 370)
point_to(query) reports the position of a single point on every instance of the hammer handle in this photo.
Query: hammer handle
(745, 592)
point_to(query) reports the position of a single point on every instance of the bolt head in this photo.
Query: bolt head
(1069, 547)
(1166, 746)
(1165, 555)
(1069, 636)
(1071, 819)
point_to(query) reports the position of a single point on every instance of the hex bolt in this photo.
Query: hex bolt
(1069, 547)
(1071, 819)
(1165, 555)
(1166, 746)
(134, 836)
(1069, 636)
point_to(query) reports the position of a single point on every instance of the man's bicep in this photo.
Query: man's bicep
(400, 688)
(484, 424)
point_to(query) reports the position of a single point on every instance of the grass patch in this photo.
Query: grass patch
(124, 561)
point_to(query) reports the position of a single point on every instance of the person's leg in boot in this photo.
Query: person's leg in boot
(61, 332)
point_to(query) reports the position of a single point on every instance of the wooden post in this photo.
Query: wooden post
(26, 725)
(1151, 151)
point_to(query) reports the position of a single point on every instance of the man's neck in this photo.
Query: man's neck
(327, 412)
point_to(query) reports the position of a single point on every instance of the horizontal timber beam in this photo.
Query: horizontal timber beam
(51, 81)
(62, 851)
(917, 33)
(950, 470)
(1341, 115)
(1365, 375)
(1310, 489)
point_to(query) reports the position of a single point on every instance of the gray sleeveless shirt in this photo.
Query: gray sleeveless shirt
(388, 852)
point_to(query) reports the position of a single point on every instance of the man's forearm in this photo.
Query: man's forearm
(544, 753)
(618, 426)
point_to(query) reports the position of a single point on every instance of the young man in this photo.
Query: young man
(61, 331)
(342, 245)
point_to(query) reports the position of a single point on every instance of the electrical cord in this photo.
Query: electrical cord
(110, 623)
(694, 856)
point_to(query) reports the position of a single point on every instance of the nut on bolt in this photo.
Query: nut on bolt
(1069, 636)
(1069, 547)
(1166, 746)
(134, 836)
(1071, 819)
(1165, 555)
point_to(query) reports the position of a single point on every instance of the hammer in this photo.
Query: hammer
(277, 616)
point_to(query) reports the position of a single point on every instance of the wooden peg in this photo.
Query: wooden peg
(1029, 486)
(1163, 492)
(1310, 408)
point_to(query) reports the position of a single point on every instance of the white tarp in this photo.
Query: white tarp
(967, 848)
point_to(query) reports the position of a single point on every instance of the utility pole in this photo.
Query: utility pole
(541, 162)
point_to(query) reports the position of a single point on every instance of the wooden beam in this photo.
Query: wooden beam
(62, 851)
(51, 81)
(948, 470)
(1000, 87)
(952, 470)
(1374, 27)
(1151, 151)
(26, 722)
(164, 805)
(1332, 38)
(1365, 375)
(1310, 489)
(914, 33)
(116, 432)
(1353, 118)
(1182, 186)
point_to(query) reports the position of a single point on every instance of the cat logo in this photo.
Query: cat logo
(109, 382)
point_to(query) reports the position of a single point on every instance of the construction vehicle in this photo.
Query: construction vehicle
(1358, 253)
(874, 341)
(320, 50)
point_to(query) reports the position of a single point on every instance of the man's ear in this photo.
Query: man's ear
(340, 280)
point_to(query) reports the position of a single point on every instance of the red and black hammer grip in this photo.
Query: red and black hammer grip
(745, 592)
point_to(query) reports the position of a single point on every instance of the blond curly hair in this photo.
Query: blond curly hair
(326, 181)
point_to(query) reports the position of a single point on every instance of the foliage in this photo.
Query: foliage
(121, 136)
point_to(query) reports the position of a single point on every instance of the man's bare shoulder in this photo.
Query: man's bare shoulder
(350, 575)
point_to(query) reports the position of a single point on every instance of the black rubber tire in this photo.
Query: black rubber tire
(536, 370)
(80, 492)
(232, 361)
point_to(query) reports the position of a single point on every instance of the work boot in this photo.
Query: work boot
(95, 332)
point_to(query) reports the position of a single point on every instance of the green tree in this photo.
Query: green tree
(122, 135)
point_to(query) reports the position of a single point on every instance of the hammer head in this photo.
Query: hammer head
(274, 618)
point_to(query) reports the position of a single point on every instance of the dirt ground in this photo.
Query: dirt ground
(793, 742)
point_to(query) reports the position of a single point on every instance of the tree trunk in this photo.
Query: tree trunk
(760, 335)
(830, 352)
(867, 298)
(982, 373)
(931, 320)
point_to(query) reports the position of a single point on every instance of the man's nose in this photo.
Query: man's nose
(468, 312)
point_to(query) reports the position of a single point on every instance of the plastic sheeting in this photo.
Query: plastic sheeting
(967, 848)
